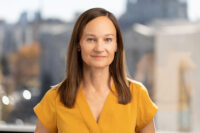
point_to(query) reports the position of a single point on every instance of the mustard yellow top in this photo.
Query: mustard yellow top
(114, 118)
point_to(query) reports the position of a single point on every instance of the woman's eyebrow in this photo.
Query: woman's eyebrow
(89, 34)
(109, 34)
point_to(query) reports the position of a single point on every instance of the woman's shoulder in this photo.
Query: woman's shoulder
(52, 92)
(134, 83)
(136, 86)
(140, 92)
(54, 88)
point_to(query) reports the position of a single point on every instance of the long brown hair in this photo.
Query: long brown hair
(74, 63)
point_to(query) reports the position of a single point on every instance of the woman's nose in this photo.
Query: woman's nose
(99, 46)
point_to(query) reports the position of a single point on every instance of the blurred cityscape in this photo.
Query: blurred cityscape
(162, 51)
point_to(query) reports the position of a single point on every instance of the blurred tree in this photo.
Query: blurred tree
(25, 65)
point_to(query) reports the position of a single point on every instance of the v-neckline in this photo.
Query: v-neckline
(87, 112)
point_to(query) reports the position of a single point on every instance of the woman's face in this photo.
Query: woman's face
(98, 43)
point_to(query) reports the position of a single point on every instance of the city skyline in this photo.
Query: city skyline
(65, 11)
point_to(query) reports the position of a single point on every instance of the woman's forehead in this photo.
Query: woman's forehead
(100, 25)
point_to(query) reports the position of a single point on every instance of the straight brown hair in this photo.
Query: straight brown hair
(74, 64)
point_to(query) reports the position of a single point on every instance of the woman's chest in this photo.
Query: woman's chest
(114, 117)
(96, 104)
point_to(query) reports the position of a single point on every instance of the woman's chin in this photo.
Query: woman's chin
(98, 66)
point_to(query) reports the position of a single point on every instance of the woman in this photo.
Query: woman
(96, 96)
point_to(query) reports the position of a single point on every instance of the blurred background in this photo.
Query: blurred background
(162, 43)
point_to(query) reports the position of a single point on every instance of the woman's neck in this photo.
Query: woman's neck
(96, 79)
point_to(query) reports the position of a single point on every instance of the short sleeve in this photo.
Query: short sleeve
(146, 108)
(46, 110)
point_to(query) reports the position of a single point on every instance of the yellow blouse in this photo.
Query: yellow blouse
(114, 118)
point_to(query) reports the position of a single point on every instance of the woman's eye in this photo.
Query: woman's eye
(108, 39)
(90, 39)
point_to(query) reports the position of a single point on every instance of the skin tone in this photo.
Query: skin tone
(98, 46)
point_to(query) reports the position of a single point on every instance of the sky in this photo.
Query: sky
(65, 9)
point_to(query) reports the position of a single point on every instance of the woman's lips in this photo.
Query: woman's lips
(98, 56)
